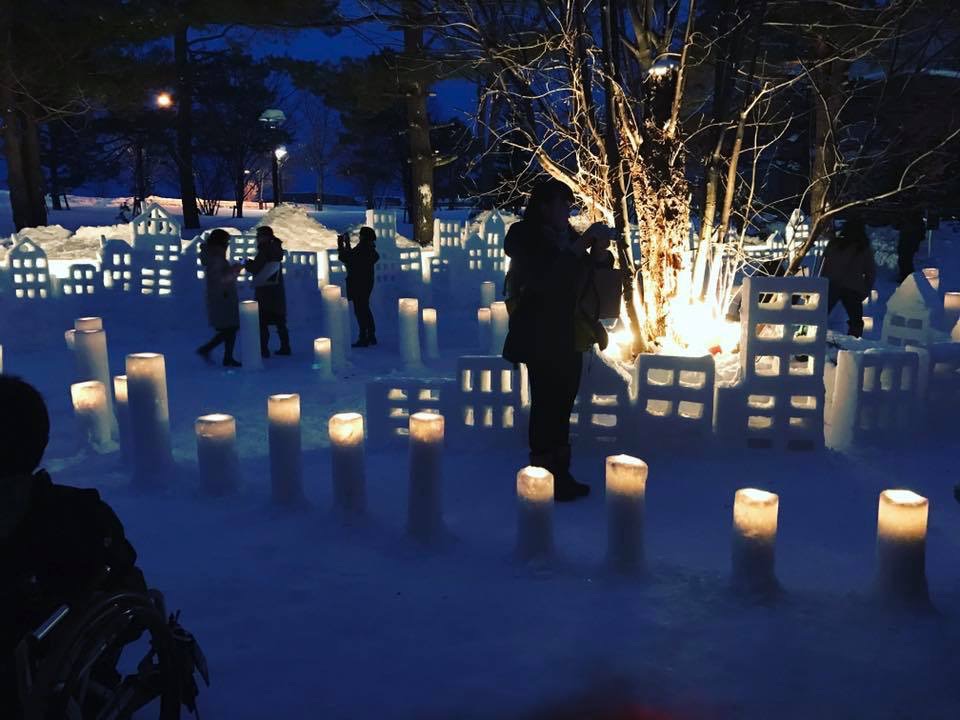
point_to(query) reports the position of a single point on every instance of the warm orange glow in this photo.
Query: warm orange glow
(164, 100)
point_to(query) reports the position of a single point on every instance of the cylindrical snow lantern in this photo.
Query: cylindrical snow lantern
(933, 276)
(322, 361)
(91, 409)
(333, 321)
(70, 338)
(122, 406)
(424, 504)
(345, 325)
(409, 324)
(902, 547)
(349, 474)
(754, 539)
(488, 293)
(534, 513)
(250, 356)
(217, 453)
(286, 464)
(867, 324)
(88, 323)
(149, 416)
(483, 329)
(90, 355)
(626, 492)
(951, 307)
(430, 333)
(500, 321)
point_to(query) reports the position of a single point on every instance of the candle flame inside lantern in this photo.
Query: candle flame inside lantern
(755, 513)
(535, 484)
(429, 316)
(330, 292)
(284, 409)
(902, 515)
(409, 306)
(217, 426)
(626, 475)
(426, 427)
(483, 315)
(346, 429)
(89, 395)
(321, 346)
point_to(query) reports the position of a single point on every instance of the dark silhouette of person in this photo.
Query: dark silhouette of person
(548, 263)
(911, 234)
(223, 311)
(58, 544)
(359, 262)
(849, 266)
(267, 270)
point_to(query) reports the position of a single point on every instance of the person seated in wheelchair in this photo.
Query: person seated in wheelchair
(58, 544)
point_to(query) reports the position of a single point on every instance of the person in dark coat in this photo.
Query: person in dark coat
(911, 233)
(849, 266)
(359, 262)
(267, 270)
(548, 263)
(58, 544)
(223, 312)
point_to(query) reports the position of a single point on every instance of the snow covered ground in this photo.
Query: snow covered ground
(302, 616)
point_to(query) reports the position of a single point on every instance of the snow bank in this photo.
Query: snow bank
(298, 230)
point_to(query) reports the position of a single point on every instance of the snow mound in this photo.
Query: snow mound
(84, 244)
(298, 230)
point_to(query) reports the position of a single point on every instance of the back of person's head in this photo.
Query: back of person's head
(544, 194)
(367, 234)
(24, 427)
(854, 231)
(219, 238)
(264, 233)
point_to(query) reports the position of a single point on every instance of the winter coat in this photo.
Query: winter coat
(267, 271)
(542, 289)
(849, 266)
(223, 310)
(359, 262)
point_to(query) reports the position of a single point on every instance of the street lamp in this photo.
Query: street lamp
(272, 119)
(164, 100)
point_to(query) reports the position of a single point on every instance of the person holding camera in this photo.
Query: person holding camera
(359, 262)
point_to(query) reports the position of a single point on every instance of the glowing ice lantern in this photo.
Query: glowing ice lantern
(88, 323)
(488, 293)
(409, 317)
(70, 337)
(867, 324)
(424, 512)
(149, 415)
(250, 356)
(90, 356)
(483, 328)
(333, 320)
(901, 547)
(349, 474)
(345, 325)
(430, 333)
(217, 453)
(321, 358)
(754, 540)
(534, 513)
(500, 321)
(626, 491)
(123, 417)
(951, 307)
(933, 276)
(91, 409)
(286, 467)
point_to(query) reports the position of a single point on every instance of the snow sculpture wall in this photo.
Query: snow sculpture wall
(674, 398)
(391, 402)
(493, 231)
(943, 391)
(154, 225)
(82, 279)
(447, 234)
(491, 401)
(28, 272)
(116, 263)
(243, 247)
(874, 398)
(778, 402)
(911, 313)
(300, 270)
(330, 269)
(603, 413)
(474, 247)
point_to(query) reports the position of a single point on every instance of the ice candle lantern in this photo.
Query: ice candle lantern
(534, 513)
(333, 320)
(349, 474)
(345, 325)
(754, 539)
(90, 354)
(424, 512)
(91, 409)
(217, 453)
(149, 415)
(932, 274)
(70, 337)
(951, 307)
(430, 333)
(488, 293)
(88, 323)
(286, 464)
(901, 547)
(321, 358)
(500, 321)
(250, 356)
(626, 492)
(483, 328)
(123, 417)
(409, 323)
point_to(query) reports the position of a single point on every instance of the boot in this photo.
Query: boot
(284, 341)
(362, 342)
(231, 363)
(371, 339)
(204, 352)
(565, 486)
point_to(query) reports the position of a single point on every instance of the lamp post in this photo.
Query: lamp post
(162, 101)
(272, 119)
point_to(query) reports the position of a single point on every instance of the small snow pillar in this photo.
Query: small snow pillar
(488, 293)
(424, 513)
(250, 356)
(754, 539)
(902, 547)
(286, 463)
(430, 333)
(500, 322)
(120, 402)
(951, 308)
(426, 266)
(92, 411)
(409, 324)
(88, 323)
(217, 453)
(322, 361)
(349, 474)
(483, 328)
(345, 325)
(149, 415)
(333, 320)
(90, 354)
(70, 337)
(534, 513)
(626, 491)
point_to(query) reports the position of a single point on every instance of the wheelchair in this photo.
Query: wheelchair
(116, 657)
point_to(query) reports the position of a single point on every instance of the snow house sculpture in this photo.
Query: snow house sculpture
(911, 312)
(491, 399)
(27, 271)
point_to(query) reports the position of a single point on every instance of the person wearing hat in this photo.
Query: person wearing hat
(223, 312)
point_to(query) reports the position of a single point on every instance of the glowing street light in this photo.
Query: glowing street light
(280, 152)
(164, 100)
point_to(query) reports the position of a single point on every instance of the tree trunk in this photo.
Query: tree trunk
(319, 190)
(53, 166)
(240, 193)
(24, 172)
(184, 158)
(418, 128)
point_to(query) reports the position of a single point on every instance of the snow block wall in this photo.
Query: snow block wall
(491, 401)
(603, 414)
(391, 402)
(778, 402)
(116, 264)
(154, 225)
(674, 398)
(912, 311)
(27, 271)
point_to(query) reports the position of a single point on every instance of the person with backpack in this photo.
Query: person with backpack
(223, 311)
(548, 331)
(267, 271)
(849, 266)
(359, 262)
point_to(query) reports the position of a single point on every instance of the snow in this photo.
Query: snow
(298, 230)
(304, 615)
